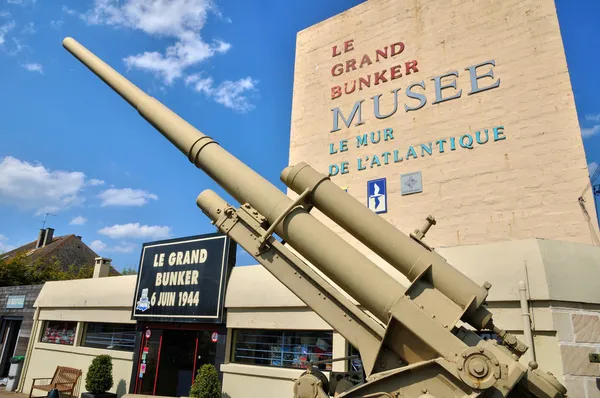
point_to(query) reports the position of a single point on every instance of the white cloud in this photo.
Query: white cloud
(79, 220)
(28, 29)
(4, 29)
(135, 230)
(5, 247)
(97, 246)
(100, 247)
(125, 197)
(591, 131)
(593, 118)
(177, 58)
(33, 67)
(200, 84)
(57, 24)
(32, 186)
(230, 94)
(21, 2)
(95, 182)
(68, 10)
(17, 43)
(181, 20)
(19, 46)
(592, 167)
(595, 129)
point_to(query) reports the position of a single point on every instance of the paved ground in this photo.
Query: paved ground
(7, 394)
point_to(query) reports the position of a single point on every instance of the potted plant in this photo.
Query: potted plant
(99, 378)
(206, 384)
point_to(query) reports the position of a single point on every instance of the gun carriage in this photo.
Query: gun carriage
(418, 341)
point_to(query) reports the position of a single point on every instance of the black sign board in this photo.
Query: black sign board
(184, 279)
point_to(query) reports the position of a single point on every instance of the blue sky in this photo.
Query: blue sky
(70, 146)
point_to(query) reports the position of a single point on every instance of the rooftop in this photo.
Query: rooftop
(49, 248)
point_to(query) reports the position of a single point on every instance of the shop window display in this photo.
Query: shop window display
(59, 332)
(109, 336)
(286, 349)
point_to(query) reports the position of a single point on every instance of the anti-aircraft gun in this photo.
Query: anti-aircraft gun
(411, 341)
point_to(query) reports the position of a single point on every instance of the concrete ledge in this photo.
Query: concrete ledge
(263, 371)
(78, 350)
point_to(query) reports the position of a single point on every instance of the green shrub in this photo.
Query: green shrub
(99, 377)
(206, 384)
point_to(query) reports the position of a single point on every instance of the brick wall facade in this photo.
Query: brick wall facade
(27, 312)
(522, 183)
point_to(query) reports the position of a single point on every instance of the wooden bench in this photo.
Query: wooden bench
(64, 380)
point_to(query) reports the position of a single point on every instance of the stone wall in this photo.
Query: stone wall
(27, 312)
(520, 182)
(579, 334)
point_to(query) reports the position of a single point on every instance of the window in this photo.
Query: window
(59, 332)
(109, 336)
(282, 348)
(354, 364)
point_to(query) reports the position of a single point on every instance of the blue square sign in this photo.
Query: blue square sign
(377, 195)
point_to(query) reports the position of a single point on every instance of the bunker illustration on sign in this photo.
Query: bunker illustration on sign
(377, 195)
(411, 183)
(143, 304)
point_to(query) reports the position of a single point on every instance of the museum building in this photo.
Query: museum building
(459, 110)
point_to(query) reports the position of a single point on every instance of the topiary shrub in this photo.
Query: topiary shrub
(206, 384)
(99, 377)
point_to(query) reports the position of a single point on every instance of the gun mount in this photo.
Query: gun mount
(410, 340)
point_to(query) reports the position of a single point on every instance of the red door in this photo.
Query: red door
(170, 358)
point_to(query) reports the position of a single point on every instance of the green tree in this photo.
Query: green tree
(129, 271)
(19, 270)
(206, 384)
(99, 378)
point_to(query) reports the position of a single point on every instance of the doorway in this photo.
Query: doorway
(9, 334)
(176, 363)
(170, 358)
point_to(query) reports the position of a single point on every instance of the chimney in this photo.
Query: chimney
(40, 240)
(49, 236)
(101, 267)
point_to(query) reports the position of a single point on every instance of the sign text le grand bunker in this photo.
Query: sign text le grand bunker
(190, 277)
(412, 90)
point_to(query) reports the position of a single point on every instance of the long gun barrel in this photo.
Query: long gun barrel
(338, 259)
(417, 349)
